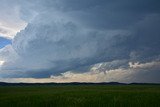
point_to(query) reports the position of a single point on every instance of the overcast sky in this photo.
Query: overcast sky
(80, 40)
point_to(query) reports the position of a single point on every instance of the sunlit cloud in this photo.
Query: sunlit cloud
(1, 63)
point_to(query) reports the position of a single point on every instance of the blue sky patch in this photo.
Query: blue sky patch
(4, 42)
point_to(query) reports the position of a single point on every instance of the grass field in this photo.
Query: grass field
(80, 96)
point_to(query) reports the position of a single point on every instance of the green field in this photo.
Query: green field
(80, 96)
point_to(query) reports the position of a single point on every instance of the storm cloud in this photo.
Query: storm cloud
(74, 35)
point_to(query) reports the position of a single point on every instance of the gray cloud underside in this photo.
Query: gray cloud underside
(69, 35)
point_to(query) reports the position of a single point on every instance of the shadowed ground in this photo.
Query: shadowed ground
(80, 96)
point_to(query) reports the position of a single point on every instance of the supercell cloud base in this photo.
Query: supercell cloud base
(80, 41)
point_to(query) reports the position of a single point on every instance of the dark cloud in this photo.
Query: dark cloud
(65, 35)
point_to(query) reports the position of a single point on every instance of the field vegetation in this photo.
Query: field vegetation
(80, 96)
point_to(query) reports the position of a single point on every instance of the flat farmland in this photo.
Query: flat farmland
(80, 96)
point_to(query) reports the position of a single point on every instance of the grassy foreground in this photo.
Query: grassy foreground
(80, 96)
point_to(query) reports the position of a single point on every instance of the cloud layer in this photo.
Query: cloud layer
(10, 21)
(73, 36)
(137, 72)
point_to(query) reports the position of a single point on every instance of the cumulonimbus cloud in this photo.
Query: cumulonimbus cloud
(62, 36)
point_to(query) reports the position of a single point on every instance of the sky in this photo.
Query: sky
(4, 42)
(80, 41)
